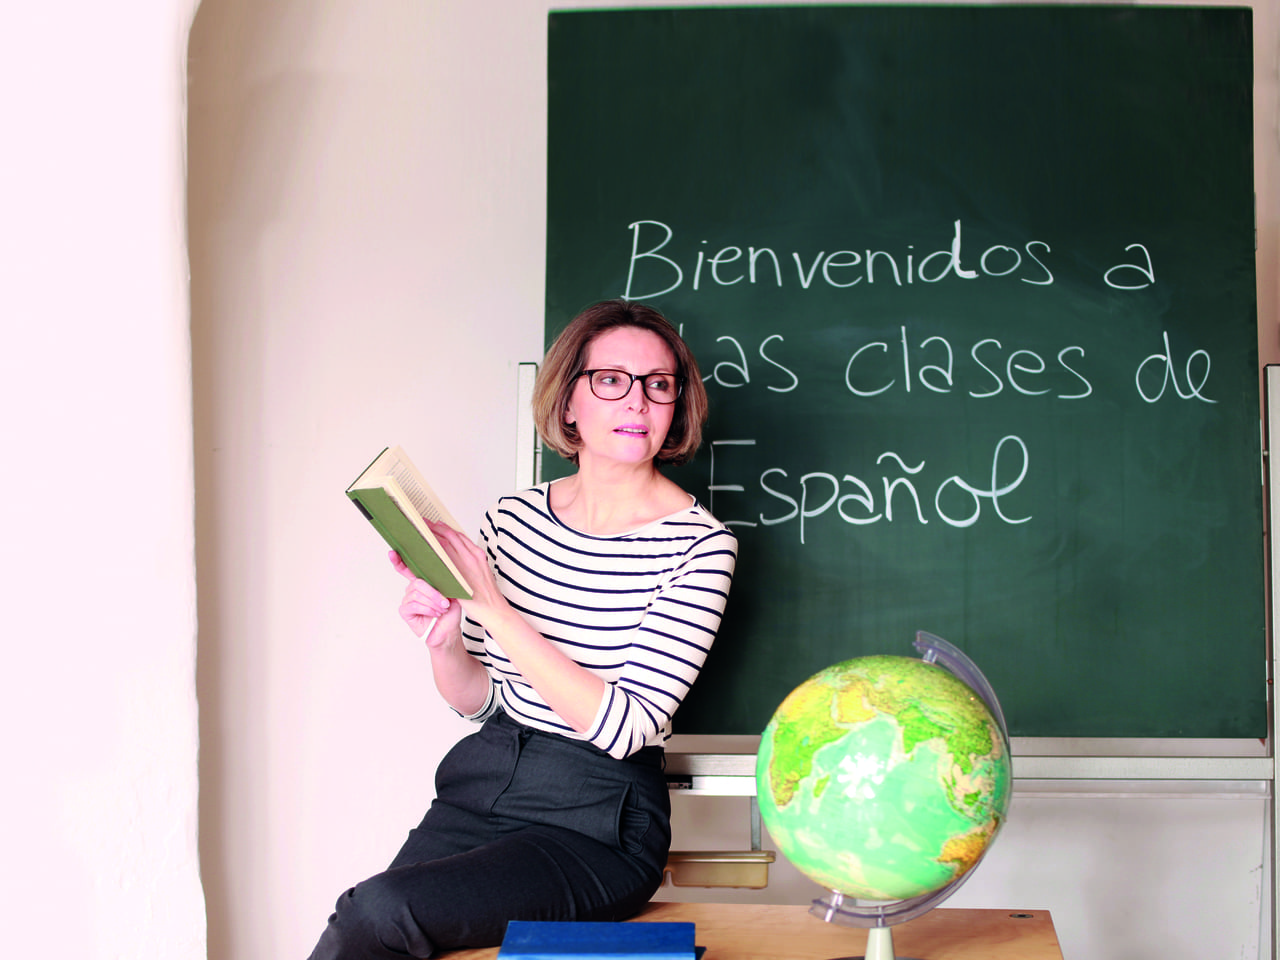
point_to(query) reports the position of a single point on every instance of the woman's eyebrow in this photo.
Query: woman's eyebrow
(618, 366)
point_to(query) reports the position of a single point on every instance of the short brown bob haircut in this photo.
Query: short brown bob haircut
(567, 358)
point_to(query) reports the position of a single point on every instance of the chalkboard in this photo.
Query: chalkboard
(973, 291)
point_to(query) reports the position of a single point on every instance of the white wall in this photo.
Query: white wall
(367, 243)
(97, 563)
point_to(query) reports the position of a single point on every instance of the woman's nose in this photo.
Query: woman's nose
(636, 398)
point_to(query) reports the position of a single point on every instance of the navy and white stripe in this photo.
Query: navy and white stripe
(640, 610)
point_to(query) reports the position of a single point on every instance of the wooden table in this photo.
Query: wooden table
(740, 931)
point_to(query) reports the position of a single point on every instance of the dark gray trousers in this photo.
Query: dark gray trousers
(525, 826)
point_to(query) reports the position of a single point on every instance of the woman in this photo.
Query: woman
(596, 599)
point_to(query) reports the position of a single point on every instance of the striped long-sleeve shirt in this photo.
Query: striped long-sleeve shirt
(639, 610)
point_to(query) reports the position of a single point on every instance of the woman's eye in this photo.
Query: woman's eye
(607, 379)
(660, 383)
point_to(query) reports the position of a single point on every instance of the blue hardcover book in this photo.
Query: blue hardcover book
(548, 940)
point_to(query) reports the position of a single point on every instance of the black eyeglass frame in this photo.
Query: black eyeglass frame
(590, 375)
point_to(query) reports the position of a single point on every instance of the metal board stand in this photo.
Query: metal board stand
(1271, 481)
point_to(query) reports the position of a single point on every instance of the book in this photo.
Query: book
(579, 940)
(394, 497)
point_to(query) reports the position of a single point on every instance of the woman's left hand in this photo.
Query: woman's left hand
(570, 690)
(473, 563)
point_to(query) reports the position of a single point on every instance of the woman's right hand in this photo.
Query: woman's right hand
(428, 612)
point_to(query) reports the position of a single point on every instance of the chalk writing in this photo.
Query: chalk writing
(864, 377)
(728, 373)
(1170, 375)
(1146, 271)
(814, 493)
(652, 273)
(897, 488)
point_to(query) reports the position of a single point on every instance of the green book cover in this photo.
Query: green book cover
(379, 495)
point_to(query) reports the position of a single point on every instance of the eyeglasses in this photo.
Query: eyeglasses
(616, 384)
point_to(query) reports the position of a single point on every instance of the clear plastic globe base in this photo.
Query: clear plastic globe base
(879, 917)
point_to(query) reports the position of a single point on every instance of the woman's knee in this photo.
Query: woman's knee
(374, 919)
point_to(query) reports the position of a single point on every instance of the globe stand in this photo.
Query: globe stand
(880, 938)
(880, 918)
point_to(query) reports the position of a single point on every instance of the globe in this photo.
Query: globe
(884, 778)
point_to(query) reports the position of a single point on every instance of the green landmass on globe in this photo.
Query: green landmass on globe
(884, 778)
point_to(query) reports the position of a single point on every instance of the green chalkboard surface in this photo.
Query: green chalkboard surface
(973, 291)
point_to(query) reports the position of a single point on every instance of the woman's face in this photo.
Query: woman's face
(630, 430)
